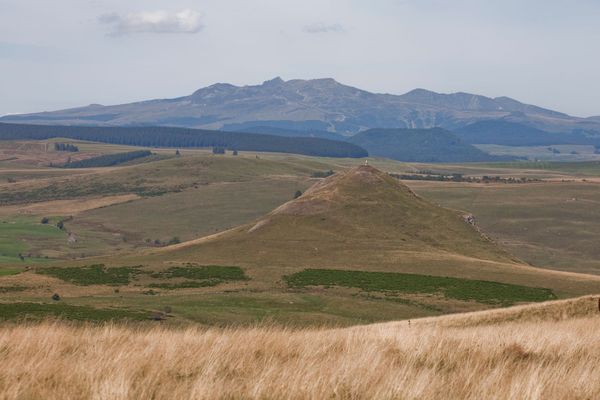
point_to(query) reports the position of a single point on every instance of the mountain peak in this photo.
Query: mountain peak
(420, 92)
(272, 82)
(360, 184)
(214, 89)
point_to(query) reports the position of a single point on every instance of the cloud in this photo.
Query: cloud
(185, 21)
(320, 27)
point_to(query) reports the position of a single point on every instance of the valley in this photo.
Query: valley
(200, 209)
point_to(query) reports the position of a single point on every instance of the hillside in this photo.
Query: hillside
(471, 356)
(419, 145)
(273, 130)
(364, 220)
(153, 136)
(515, 134)
(318, 104)
(361, 208)
(357, 247)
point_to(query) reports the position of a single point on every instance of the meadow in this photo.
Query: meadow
(391, 282)
(550, 224)
(122, 216)
(23, 238)
(534, 352)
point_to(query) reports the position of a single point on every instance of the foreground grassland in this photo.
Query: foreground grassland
(535, 352)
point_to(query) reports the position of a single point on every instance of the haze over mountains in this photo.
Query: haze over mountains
(318, 105)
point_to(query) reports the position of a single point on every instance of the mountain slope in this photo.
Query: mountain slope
(515, 134)
(273, 130)
(419, 145)
(319, 104)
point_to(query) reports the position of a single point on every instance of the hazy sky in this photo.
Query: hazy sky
(65, 53)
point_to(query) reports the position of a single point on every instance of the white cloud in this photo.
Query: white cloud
(320, 27)
(185, 21)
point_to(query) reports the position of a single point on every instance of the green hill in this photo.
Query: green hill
(365, 220)
(358, 246)
(419, 145)
(361, 216)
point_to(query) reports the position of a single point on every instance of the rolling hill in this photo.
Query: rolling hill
(508, 133)
(362, 219)
(318, 104)
(356, 247)
(419, 145)
(362, 208)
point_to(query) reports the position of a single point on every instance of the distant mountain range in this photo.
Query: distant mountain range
(319, 105)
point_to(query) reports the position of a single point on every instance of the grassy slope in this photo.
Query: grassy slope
(554, 224)
(534, 352)
(192, 213)
(265, 182)
(359, 209)
(31, 233)
(199, 193)
(351, 222)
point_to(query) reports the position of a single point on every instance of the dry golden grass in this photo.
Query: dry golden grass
(67, 207)
(554, 356)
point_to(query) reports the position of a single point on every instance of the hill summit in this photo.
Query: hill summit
(361, 217)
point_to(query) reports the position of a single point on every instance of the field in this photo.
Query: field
(550, 224)
(210, 276)
(559, 152)
(395, 283)
(535, 352)
(32, 237)
(132, 216)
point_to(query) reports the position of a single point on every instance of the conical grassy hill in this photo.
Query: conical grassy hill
(361, 218)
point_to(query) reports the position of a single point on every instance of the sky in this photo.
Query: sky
(67, 53)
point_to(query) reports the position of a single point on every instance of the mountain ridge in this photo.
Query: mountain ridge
(318, 104)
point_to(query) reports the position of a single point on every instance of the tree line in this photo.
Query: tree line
(424, 176)
(65, 147)
(154, 136)
(107, 160)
